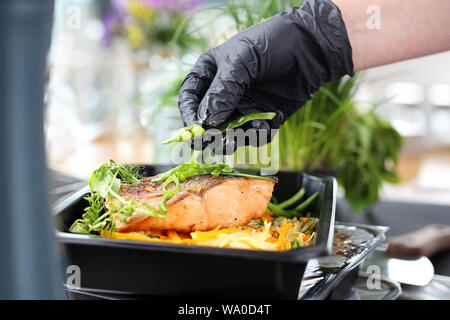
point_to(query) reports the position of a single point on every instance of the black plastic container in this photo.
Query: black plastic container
(169, 270)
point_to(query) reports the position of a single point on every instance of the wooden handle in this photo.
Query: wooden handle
(427, 241)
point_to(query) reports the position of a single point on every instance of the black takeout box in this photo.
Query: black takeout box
(169, 270)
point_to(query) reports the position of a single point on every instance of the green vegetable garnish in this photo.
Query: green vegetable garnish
(105, 184)
(194, 131)
(92, 220)
(128, 174)
(295, 198)
(186, 134)
(295, 244)
(280, 210)
(126, 209)
(197, 131)
(190, 169)
(306, 203)
(309, 225)
(247, 118)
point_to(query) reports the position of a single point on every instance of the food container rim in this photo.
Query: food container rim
(322, 247)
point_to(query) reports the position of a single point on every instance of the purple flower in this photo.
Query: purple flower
(156, 4)
(120, 5)
(119, 15)
(111, 21)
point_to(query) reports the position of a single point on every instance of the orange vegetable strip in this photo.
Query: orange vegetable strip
(173, 235)
(127, 236)
(282, 235)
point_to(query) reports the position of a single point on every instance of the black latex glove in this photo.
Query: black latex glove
(274, 66)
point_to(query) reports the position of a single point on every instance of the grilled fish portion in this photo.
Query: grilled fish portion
(203, 203)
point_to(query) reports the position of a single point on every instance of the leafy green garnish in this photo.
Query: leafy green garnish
(247, 118)
(105, 183)
(193, 168)
(194, 131)
(296, 197)
(93, 220)
(186, 134)
(125, 210)
(107, 179)
(127, 173)
(295, 244)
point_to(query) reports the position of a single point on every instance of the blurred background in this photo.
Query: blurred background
(115, 67)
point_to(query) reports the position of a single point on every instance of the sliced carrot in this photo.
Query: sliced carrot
(304, 219)
(305, 238)
(268, 216)
(185, 236)
(155, 233)
(283, 235)
(173, 235)
(288, 245)
(155, 195)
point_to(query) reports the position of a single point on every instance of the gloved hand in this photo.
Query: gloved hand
(274, 66)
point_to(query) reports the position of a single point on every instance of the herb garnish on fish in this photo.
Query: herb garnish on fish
(105, 183)
(193, 168)
(93, 220)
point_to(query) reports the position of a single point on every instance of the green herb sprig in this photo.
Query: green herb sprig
(105, 183)
(247, 118)
(194, 131)
(93, 219)
(186, 134)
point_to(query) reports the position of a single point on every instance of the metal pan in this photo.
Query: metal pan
(337, 272)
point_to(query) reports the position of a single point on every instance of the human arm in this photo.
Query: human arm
(386, 31)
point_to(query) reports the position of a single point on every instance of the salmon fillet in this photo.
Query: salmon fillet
(203, 203)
